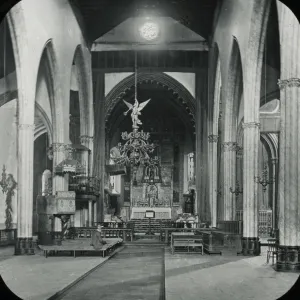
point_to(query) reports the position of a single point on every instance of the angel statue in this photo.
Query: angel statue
(136, 111)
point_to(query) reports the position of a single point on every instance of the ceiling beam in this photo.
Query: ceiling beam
(182, 46)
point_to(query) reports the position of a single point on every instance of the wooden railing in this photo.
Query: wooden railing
(172, 224)
(86, 232)
(231, 226)
(84, 185)
(265, 221)
(8, 237)
(115, 225)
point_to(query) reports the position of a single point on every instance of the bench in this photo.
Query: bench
(186, 242)
(81, 246)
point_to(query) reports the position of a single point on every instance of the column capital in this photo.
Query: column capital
(274, 160)
(251, 125)
(67, 149)
(291, 82)
(239, 152)
(58, 147)
(213, 138)
(86, 139)
(229, 146)
(26, 126)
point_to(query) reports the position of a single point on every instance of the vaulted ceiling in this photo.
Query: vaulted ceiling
(100, 16)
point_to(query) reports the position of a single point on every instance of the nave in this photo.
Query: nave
(174, 121)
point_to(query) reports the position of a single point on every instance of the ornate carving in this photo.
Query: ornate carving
(85, 139)
(251, 125)
(239, 151)
(60, 147)
(291, 82)
(136, 109)
(213, 138)
(26, 126)
(24, 246)
(288, 258)
(8, 185)
(229, 146)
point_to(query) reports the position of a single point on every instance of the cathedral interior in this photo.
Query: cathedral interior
(170, 127)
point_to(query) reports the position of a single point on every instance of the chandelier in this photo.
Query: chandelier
(264, 180)
(136, 147)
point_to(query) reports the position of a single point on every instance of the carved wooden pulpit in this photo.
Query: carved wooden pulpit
(65, 207)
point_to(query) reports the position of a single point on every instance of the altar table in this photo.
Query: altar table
(160, 212)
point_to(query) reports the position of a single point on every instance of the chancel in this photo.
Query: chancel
(172, 127)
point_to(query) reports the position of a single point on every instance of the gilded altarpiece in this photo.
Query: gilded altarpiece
(142, 193)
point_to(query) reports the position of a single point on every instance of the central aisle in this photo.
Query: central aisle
(133, 273)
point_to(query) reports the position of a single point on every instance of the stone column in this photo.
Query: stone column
(289, 142)
(24, 243)
(87, 141)
(229, 180)
(90, 212)
(289, 170)
(274, 202)
(95, 212)
(99, 142)
(213, 166)
(250, 240)
(201, 143)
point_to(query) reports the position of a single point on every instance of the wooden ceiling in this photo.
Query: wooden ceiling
(100, 16)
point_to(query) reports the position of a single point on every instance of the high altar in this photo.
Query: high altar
(142, 187)
(152, 193)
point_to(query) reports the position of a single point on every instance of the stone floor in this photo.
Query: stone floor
(224, 277)
(132, 274)
(36, 277)
(142, 272)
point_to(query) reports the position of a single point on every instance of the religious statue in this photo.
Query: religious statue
(136, 111)
(152, 195)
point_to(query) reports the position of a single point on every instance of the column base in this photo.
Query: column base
(288, 259)
(250, 246)
(24, 246)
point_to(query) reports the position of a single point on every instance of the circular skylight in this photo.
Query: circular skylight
(149, 31)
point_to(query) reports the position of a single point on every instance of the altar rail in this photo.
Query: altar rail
(8, 237)
(86, 232)
(265, 221)
(235, 227)
(125, 225)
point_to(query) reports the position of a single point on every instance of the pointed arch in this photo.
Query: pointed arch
(82, 76)
(48, 68)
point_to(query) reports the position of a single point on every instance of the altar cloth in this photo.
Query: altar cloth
(160, 212)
